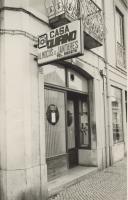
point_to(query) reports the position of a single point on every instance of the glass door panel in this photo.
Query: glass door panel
(83, 122)
(71, 124)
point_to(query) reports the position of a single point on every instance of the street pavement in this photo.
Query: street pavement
(108, 184)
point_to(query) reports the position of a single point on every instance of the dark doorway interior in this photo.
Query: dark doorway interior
(72, 129)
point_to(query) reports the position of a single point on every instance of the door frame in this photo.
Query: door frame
(69, 92)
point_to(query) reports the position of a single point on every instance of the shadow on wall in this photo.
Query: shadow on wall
(30, 195)
(2, 196)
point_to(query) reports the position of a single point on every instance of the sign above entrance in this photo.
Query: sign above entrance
(61, 43)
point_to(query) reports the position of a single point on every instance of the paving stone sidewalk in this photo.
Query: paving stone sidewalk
(109, 184)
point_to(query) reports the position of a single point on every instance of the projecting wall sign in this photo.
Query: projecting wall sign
(61, 43)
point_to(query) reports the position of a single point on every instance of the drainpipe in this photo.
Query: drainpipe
(107, 98)
(105, 118)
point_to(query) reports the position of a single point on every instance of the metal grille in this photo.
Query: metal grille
(58, 7)
(92, 19)
(87, 10)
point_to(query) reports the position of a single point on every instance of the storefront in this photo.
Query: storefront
(67, 120)
(54, 117)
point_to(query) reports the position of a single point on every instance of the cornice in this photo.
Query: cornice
(31, 12)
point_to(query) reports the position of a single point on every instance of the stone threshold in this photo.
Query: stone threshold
(71, 177)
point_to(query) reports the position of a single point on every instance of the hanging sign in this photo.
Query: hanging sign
(61, 43)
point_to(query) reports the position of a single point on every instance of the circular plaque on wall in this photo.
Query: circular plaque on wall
(52, 114)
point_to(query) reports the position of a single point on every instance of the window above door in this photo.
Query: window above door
(54, 74)
(67, 78)
(76, 81)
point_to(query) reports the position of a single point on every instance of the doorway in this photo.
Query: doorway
(66, 114)
(77, 126)
(72, 129)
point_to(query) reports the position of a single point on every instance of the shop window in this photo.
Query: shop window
(84, 124)
(117, 125)
(54, 123)
(54, 75)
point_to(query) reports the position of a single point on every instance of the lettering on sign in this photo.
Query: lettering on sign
(61, 43)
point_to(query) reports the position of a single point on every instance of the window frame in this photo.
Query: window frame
(120, 42)
(121, 24)
(121, 109)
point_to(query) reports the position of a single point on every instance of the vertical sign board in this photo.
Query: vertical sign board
(61, 43)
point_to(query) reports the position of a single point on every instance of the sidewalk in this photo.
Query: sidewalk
(109, 184)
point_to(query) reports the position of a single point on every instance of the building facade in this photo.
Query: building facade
(66, 113)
